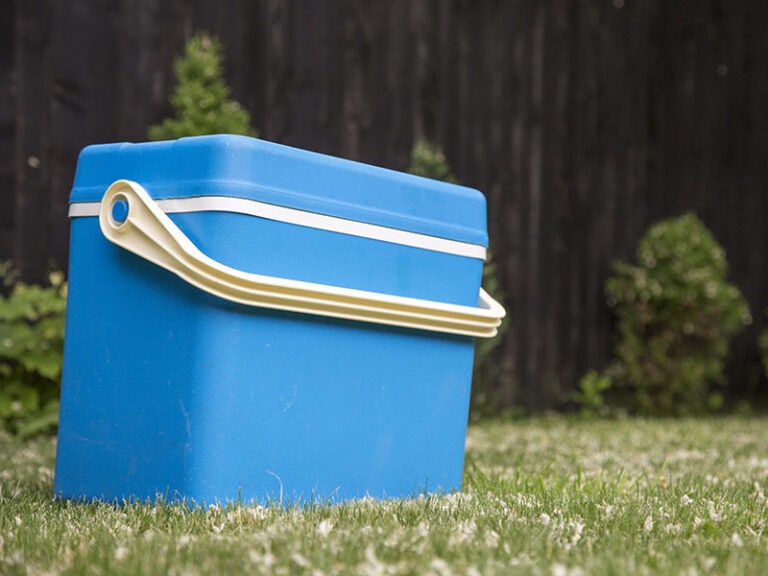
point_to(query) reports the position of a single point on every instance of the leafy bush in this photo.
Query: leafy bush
(202, 99)
(591, 393)
(428, 160)
(676, 315)
(31, 350)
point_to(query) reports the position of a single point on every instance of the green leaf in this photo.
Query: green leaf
(44, 421)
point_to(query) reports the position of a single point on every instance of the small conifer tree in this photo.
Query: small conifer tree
(201, 100)
(428, 160)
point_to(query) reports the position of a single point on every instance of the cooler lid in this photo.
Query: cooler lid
(252, 169)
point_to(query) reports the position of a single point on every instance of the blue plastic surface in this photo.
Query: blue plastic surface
(120, 211)
(177, 394)
(245, 167)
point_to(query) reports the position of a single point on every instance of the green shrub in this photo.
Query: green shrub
(591, 393)
(676, 315)
(202, 98)
(428, 160)
(31, 350)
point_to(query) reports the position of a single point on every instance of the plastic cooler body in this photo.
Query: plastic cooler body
(169, 392)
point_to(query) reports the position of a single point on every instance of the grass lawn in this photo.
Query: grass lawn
(548, 496)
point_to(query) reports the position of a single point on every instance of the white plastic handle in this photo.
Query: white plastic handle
(131, 219)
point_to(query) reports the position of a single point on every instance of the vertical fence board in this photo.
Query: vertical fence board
(7, 130)
(33, 127)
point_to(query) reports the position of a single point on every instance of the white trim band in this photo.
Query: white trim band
(301, 218)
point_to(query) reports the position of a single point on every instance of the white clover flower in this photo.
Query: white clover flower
(464, 532)
(714, 515)
(45, 473)
(491, 539)
(685, 500)
(257, 512)
(559, 570)
(648, 524)
(300, 561)
(372, 565)
(440, 567)
(263, 560)
(563, 570)
(672, 528)
(325, 527)
(607, 509)
(578, 527)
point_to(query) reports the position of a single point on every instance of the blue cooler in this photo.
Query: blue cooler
(251, 322)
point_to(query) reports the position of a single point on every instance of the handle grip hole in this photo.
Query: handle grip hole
(120, 210)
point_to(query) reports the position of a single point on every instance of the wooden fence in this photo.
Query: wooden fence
(582, 121)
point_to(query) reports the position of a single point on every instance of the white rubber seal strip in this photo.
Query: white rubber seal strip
(302, 218)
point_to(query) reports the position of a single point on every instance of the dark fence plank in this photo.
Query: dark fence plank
(33, 125)
(7, 130)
